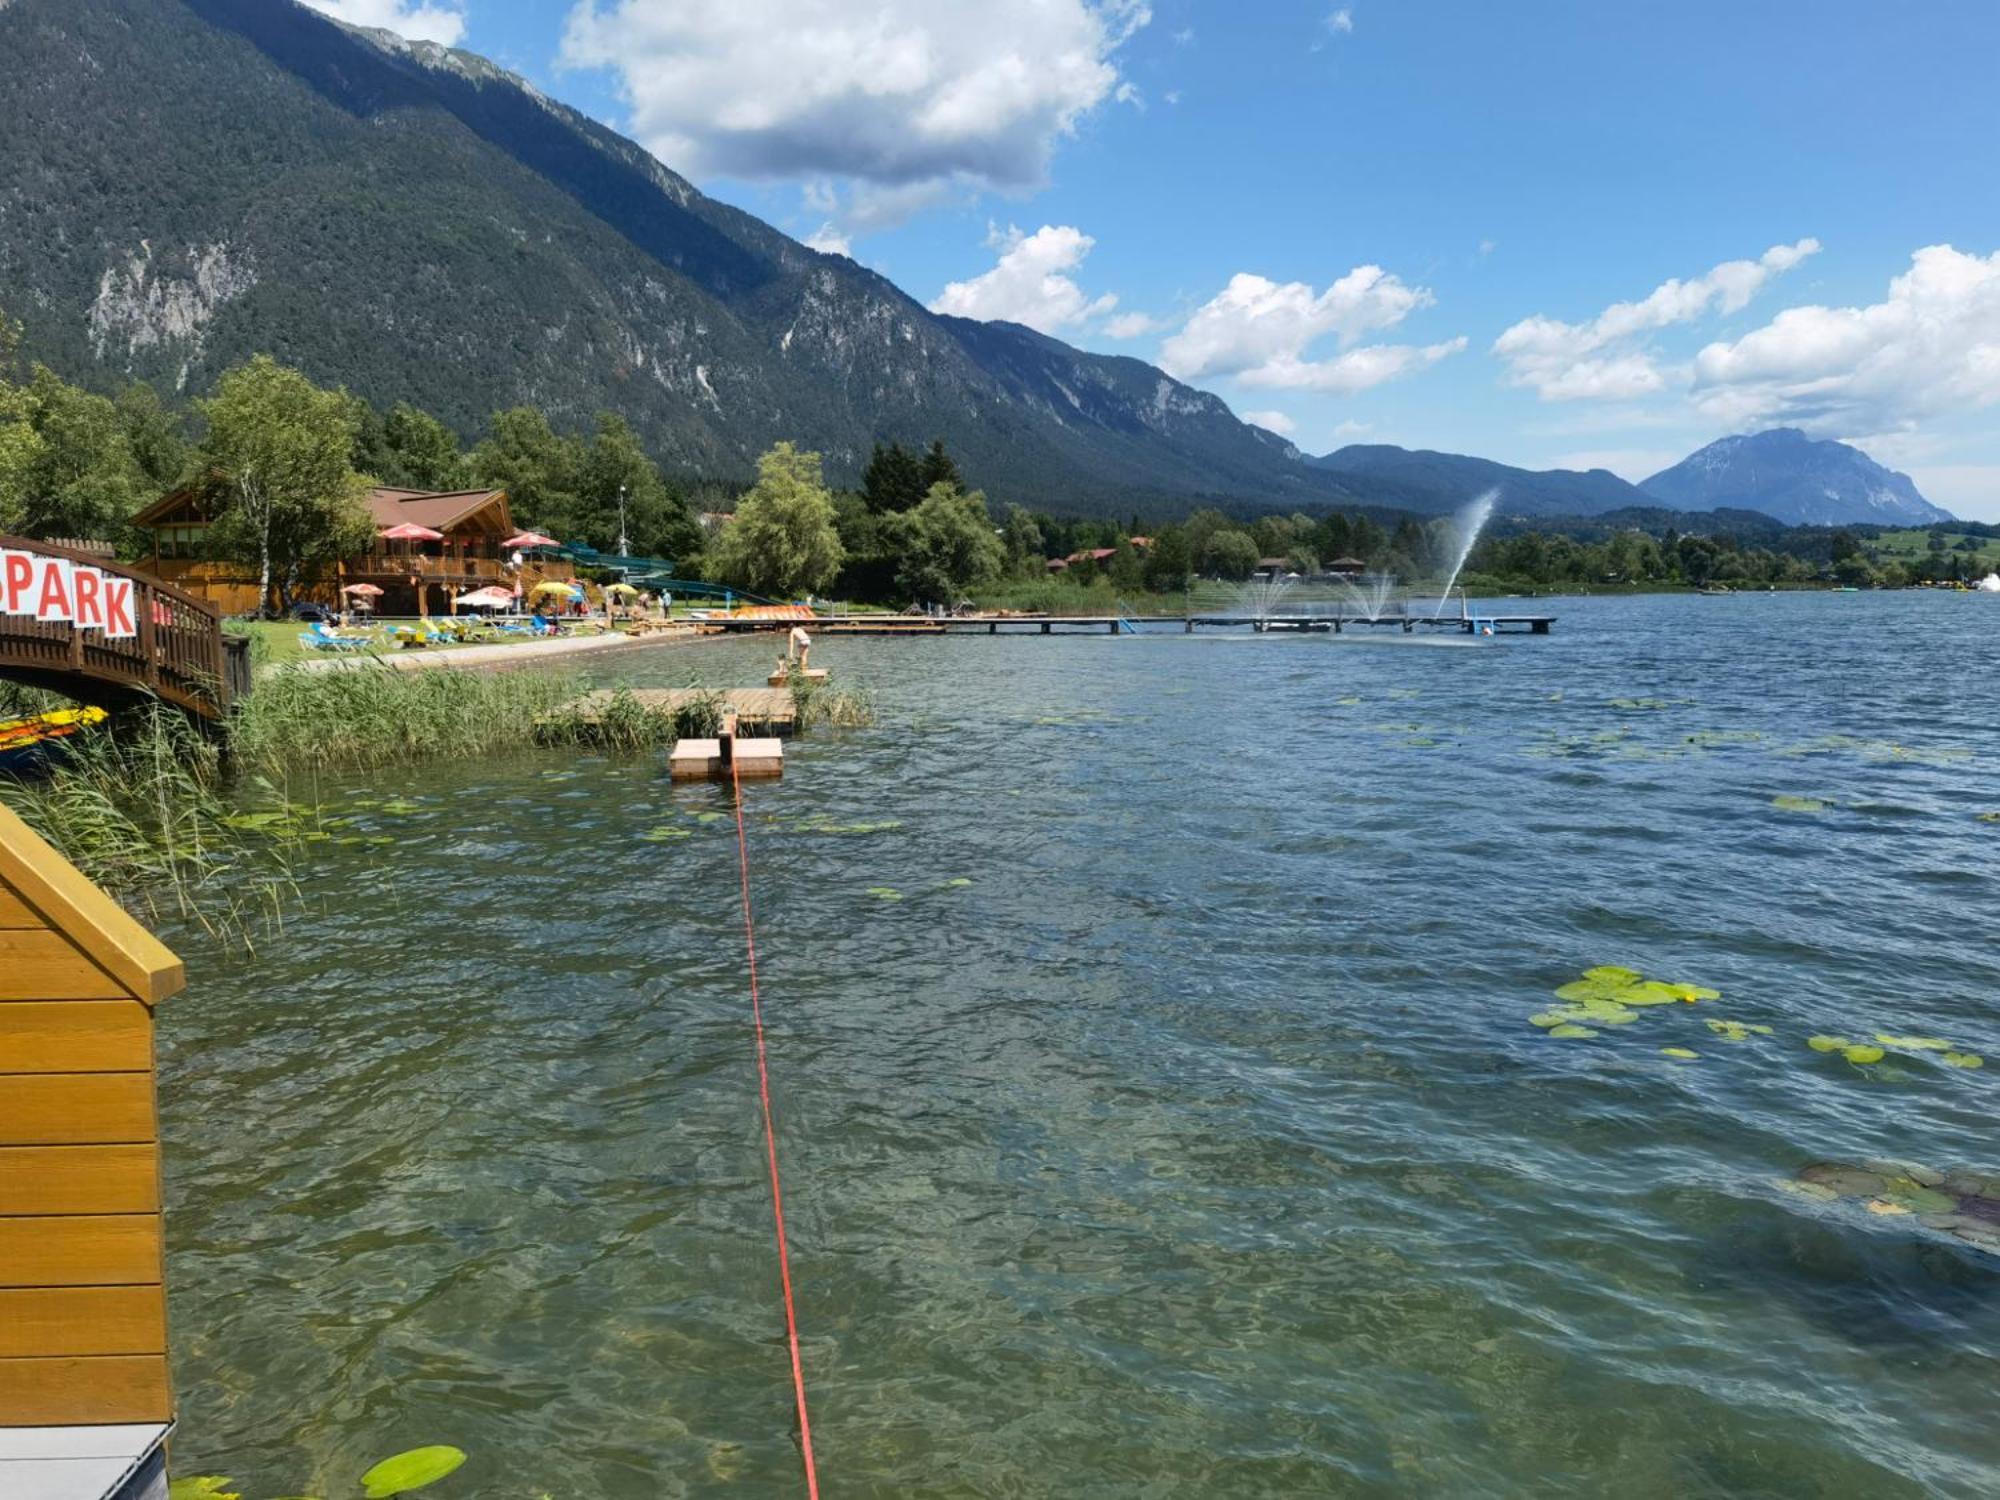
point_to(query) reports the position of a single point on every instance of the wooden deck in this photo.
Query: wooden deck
(765, 708)
(1335, 622)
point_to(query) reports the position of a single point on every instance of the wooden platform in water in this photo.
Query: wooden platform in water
(769, 709)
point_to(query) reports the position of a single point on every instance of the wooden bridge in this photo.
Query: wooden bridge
(101, 633)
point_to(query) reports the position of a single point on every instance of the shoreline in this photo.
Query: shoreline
(520, 653)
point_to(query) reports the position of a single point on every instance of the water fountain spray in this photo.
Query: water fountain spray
(1472, 520)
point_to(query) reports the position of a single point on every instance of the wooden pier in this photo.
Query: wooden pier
(1335, 623)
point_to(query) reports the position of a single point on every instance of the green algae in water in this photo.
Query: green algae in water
(885, 893)
(1786, 802)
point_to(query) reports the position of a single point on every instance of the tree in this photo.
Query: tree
(657, 520)
(80, 479)
(939, 468)
(1230, 554)
(153, 433)
(783, 541)
(420, 451)
(893, 480)
(541, 472)
(284, 451)
(946, 546)
(1021, 544)
(1168, 566)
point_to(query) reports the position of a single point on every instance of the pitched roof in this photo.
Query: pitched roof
(81, 912)
(439, 510)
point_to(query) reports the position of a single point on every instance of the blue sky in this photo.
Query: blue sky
(1558, 233)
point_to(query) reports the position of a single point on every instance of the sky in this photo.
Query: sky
(1563, 233)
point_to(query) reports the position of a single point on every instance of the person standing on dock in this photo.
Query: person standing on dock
(801, 644)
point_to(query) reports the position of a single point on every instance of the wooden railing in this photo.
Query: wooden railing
(176, 652)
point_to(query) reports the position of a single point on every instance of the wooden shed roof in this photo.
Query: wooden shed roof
(91, 920)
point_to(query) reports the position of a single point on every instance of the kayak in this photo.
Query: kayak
(23, 741)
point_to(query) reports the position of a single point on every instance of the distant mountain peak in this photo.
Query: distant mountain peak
(1793, 477)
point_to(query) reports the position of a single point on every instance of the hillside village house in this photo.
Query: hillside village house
(415, 577)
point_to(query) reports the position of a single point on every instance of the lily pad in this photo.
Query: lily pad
(1684, 1053)
(957, 883)
(410, 1471)
(1613, 974)
(1862, 1053)
(1785, 802)
(885, 893)
(400, 807)
(1827, 1043)
(1963, 1060)
(665, 834)
(1737, 1031)
(1568, 1031)
(1912, 1043)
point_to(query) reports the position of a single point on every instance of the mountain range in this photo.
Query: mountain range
(186, 182)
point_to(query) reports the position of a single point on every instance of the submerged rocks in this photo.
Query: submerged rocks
(1961, 1202)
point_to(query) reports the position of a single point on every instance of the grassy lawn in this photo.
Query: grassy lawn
(1913, 545)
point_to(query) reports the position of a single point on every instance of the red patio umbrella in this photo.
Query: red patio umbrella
(410, 531)
(368, 590)
(529, 539)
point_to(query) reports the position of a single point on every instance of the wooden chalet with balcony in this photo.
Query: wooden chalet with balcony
(415, 577)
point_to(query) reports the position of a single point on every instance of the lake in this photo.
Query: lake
(1200, 1145)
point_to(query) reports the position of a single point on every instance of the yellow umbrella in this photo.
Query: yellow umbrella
(621, 590)
(553, 588)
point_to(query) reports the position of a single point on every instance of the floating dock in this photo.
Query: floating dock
(727, 757)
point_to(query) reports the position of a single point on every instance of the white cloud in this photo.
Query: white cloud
(1607, 358)
(1130, 325)
(421, 21)
(1172, 96)
(1341, 21)
(889, 92)
(1931, 346)
(1347, 432)
(1184, 36)
(1260, 331)
(1272, 421)
(1031, 283)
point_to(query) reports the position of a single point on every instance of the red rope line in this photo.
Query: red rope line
(771, 1141)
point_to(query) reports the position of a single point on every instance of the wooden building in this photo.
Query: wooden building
(415, 577)
(85, 1398)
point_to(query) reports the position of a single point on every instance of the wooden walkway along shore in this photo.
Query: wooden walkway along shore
(897, 625)
(768, 709)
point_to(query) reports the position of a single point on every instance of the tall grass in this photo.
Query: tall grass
(140, 810)
(626, 722)
(815, 704)
(377, 716)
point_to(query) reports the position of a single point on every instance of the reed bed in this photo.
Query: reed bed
(141, 811)
(624, 722)
(377, 716)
